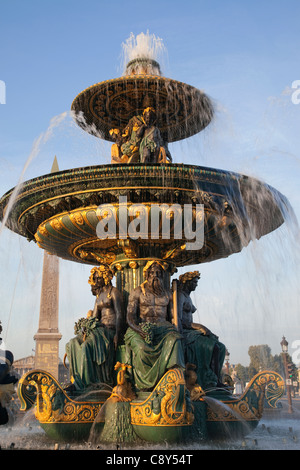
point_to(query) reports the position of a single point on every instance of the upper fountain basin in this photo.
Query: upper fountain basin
(181, 109)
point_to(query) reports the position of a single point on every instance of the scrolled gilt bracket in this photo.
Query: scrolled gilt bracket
(167, 405)
(52, 402)
(272, 383)
(249, 406)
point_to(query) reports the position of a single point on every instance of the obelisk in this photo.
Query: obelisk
(47, 337)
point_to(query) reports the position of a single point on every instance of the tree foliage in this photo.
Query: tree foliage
(262, 359)
(242, 373)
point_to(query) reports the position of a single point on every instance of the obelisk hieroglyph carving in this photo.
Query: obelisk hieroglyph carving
(47, 337)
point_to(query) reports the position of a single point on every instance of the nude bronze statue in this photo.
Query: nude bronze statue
(109, 304)
(91, 353)
(201, 347)
(153, 340)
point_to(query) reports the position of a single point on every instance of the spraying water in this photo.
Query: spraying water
(143, 46)
(38, 143)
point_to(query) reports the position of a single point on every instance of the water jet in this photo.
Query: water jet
(140, 113)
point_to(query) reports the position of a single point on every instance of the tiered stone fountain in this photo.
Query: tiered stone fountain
(84, 215)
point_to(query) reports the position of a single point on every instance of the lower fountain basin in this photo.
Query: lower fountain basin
(175, 418)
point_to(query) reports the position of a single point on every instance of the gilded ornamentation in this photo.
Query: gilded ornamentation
(56, 224)
(249, 407)
(52, 403)
(73, 196)
(173, 250)
(78, 218)
(112, 103)
(236, 411)
(129, 248)
(98, 256)
(167, 405)
(38, 239)
(272, 383)
(123, 390)
(102, 271)
(43, 231)
(141, 211)
(196, 391)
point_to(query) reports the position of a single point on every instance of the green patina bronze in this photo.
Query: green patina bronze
(148, 370)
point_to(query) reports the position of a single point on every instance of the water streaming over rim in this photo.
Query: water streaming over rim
(38, 143)
(280, 432)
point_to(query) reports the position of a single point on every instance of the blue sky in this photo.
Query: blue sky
(243, 54)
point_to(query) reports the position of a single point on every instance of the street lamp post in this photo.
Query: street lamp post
(284, 347)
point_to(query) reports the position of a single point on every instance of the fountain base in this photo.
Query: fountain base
(164, 414)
